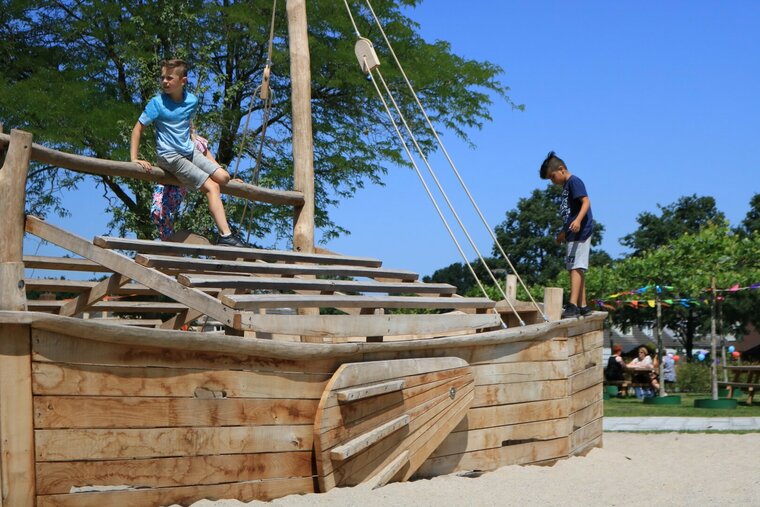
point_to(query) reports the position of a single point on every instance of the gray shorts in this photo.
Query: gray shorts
(577, 254)
(191, 170)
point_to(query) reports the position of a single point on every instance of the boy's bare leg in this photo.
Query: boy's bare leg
(216, 206)
(577, 288)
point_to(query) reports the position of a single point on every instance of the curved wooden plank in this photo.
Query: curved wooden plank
(378, 438)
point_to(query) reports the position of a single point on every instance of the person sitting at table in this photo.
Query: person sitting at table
(615, 364)
(643, 362)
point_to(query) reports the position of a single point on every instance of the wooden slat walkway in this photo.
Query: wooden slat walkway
(236, 287)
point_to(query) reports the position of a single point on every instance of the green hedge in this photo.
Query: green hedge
(693, 378)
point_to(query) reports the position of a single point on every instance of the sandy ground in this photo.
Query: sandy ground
(668, 469)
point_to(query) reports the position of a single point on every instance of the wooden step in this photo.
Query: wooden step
(166, 247)
(256, 301)
(191, 265)
(295, 284)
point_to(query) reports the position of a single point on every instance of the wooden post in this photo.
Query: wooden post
(553, 303)
(17, 475)
(713, 345)
(303, 142)
(511, 288)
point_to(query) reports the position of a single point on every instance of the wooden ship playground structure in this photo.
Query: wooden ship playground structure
(135, 412)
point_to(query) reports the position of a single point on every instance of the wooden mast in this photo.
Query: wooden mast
(303, 143)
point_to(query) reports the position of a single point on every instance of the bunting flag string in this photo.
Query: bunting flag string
(614, 301)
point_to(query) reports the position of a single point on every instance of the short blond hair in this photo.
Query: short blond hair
(180, 66)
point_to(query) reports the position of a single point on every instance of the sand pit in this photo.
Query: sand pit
(632, 469)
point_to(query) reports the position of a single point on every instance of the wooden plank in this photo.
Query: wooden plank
(360, 393)
(192, 265)
(128, 443)
(49, 346)
(102, 289)
(592, 376)
(389, 471)
(61, 477)
(38, 305)
(509, 434)
(244, 491)
(485, 417)
(491, 459)
(431, 423)
(124, 265)
(56, 412)
(586, 415)
(360, 443)
(256, 301)
(85, 380)
(365, 325)
(585, 398)
(519, 392)
(507, 373)
(166, 247)
(585, 360)
(103, 167)
(250, 282)
(581, 438)
(51, 285)
(62, 264)
(16, 430)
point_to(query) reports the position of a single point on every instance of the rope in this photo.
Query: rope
(446, 198)
(266, 95)
(448, 157)
(424, 184)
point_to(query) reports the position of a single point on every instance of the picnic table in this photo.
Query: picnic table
(633, 376)
(747, 377)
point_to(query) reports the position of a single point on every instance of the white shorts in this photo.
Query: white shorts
(577, 254)
(192, 170)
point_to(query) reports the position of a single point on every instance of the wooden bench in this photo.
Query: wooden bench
(745, 377)
(624, 385)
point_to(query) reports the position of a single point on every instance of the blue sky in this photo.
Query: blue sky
(646, 101)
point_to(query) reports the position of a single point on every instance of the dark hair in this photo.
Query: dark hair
(179, 65)
(551, 164)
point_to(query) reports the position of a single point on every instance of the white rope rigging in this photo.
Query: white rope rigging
(424, 183)
(266, 94)
(446, 154)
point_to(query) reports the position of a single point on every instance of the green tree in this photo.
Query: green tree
(688, 214)
(527, 236)
(77, 74)
(751, 222)
(686, 263)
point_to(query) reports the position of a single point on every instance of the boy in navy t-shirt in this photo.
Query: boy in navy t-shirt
(578, 222)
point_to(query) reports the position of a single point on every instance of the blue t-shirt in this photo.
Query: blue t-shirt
(570, 206)
(172, 122)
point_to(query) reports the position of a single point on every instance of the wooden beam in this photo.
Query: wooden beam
(16, 417)
(122, 264)
(358, 444)
(249, 282)
(256, 301)
(91, 165)
(80, 303)
(303, 142)
(39, 305)
(187, 265)
(165, 247)
(62, 264)
(365, 325)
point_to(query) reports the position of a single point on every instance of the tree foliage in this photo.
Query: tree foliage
(687, 263)
(77, 75)
(687, 215)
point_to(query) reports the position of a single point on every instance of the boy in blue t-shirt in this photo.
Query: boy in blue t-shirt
(172, 111)
(578, 222)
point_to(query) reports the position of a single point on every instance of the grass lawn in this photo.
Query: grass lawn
(632, 407)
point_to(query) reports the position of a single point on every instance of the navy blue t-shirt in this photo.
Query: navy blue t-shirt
(570, 206)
